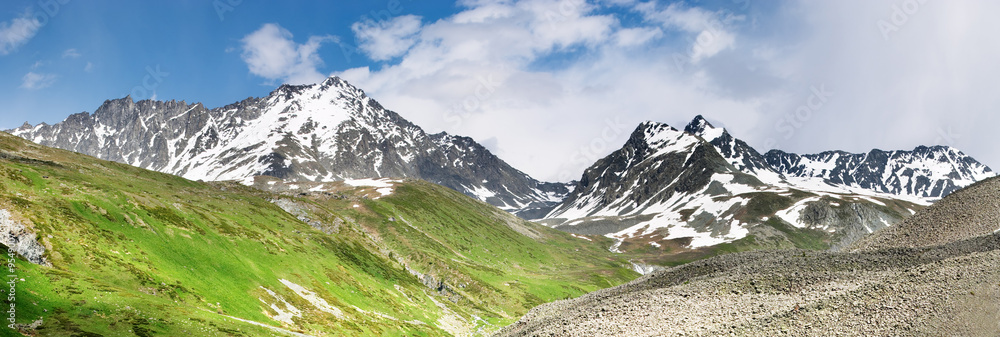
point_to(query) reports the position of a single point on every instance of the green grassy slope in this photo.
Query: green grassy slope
(140, 253)
(493, 271)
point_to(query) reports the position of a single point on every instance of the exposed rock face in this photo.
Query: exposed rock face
(20, 239)
(925, 172)
(853, 221)
(744, 157)
(656, 162)
(322, 132)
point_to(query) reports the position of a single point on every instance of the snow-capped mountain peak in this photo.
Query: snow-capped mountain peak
(702, 128)
(662, 138)
(704, 184)
(320, 132)
(737, 152)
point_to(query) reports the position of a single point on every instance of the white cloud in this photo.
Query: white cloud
(712, 34)
(630, 37)
(271, 53)
(71, 53)
(17, 32)
(34, 81)
(541, 80)
(386, 39)
(709, 42)
(931, 82)
(555, 85)
(89, 67)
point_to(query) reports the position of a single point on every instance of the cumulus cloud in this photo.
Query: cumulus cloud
(34, 81)
(712, 36)
(546, 82)
(929, 79)
(271, 53)
(17, 32)
(554, 85)
(385, 39)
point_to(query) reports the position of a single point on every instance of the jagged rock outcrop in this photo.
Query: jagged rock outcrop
(20, 239)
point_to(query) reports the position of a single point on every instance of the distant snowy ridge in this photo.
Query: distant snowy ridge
(924, 174)
(708, 187)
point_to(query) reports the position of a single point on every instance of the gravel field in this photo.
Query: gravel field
(969, 212)
(937, 274)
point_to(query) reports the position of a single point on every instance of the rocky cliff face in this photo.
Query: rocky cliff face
(322, 132)
(21, 240)
(656, 163)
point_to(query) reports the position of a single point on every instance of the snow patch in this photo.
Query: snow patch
(614, 247)
(383, 182)
(383, 186)
(283, 315)
(791, 215)
(644, 269)
(313, 299)
(481, 193)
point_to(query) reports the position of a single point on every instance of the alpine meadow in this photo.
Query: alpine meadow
(499, 168)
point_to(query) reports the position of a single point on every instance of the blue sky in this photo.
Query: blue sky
(89, 51)
(548, 85)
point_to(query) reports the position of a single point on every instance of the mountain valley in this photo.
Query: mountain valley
(107, 249)
(316, 211)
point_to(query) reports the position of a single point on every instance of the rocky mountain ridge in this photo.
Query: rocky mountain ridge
(707, 187)
(322, 132)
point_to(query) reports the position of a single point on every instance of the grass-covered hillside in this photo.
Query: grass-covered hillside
(131, 252)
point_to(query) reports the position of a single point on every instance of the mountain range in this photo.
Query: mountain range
(316, 211)
(321, 132)
(704, 187)
(696, 187)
